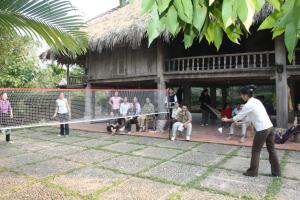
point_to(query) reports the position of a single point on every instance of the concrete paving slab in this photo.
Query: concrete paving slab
(290, 190)
(216, 148)
(62, 150)
(23, 159)
(183, 145)
(88, 180)
(236, 183)
(93, 143)
(123, 147)
(38, 191)
(196, 194)
(139, 189)
(294, 156)
(176, 172)
(292, 170)
(129, 164)
(90, 156)
(199, 158)
(160, 153)
(48, 168)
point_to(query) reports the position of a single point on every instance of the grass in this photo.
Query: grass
(276, 184)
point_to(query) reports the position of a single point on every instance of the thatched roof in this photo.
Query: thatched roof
(119, 26)
(127, 26)
(62, 59)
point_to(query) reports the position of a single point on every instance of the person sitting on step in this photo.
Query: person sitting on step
(184, 123)
(244, 124)
(113, 125)
(148, 109)
(131, 118)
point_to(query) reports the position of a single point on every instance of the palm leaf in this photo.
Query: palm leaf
(57, 22)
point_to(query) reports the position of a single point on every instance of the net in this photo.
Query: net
(43, 107)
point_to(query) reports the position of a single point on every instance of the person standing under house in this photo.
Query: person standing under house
(171, 99)
(204, 101)
(6, 114)
(184, 122)
(258, 116)
(125, 105)
(64, 114)
(115, 102)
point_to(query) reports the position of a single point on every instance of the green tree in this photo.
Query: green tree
(212, 19)
(18, 61)
(55, 21)
(47, 77)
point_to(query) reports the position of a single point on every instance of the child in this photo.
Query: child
(113, 125)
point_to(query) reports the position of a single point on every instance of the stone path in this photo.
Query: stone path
(41, 165)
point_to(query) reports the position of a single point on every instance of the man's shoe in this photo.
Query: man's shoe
(248, 174)
(188, 138)
(173, 138)
(276, 175)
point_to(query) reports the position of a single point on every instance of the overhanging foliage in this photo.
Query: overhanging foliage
(55, 21)
(212, 19)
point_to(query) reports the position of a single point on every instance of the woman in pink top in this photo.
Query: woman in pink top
(115, 102)
(6, 114)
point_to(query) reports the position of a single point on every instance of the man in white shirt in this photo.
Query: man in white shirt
(258, 116)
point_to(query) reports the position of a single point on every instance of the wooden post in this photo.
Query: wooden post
(161, 84)
(68, 74)
(281, 83)
(88, 102)
(187, 95)
(160, 57)
(224, 95)
(213, 96)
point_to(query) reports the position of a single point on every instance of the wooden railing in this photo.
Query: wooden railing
(76, 80)
(296, 60)
(225, 62)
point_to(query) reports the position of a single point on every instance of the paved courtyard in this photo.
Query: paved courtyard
(40, 165)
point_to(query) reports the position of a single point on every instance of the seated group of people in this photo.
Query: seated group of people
(280, 138)
(124, 114)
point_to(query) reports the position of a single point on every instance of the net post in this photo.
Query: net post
(88, 112)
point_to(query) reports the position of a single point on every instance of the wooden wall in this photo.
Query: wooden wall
(122, 62)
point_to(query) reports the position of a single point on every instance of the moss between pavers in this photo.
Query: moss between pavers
(276, 184)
